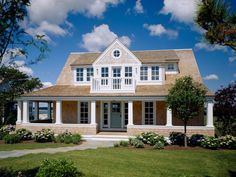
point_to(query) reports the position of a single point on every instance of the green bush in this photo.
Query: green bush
(137, 143)
(68, 138)
(177, 138)
(9, 172)
(24, 134)
(159, 145)
(6, 129)
(227, 142)
(195, 140)
(124, 143)
(58, 168)
(116, 144)
(12, 138)
(151, 138)
(61, 137)
(210, 142)
(45, 135)
(76, 138)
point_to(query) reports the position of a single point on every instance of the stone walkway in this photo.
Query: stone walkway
(89, 144)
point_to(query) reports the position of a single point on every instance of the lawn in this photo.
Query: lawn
(126, 162)
(31, 145)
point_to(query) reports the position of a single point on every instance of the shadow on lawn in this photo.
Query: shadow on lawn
(8, 172)
(232, 173)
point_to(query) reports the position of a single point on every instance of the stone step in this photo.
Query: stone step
(106, 137)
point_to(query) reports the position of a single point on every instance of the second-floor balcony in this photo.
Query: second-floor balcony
(113, 84)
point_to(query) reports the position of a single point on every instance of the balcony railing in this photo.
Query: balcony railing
(113, 84)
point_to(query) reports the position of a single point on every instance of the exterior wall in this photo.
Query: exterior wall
(137, 112)
(69, 112)
(161, 113)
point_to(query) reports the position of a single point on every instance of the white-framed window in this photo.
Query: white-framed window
(171, 67)
(80, 74)
(105, 115)
(155, 72)
(116, 72)
(149, 113)
(116, 53)
(126, 116)
(84, 112)
(104, 72)
(89, 73)
(128, 71)
(143, 73)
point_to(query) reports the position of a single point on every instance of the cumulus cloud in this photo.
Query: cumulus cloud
(138, 8)
(47, 84)
(158, 30)
(101, 37)
(211, 77)
(232, 58)
(209, 47)
(181, 10)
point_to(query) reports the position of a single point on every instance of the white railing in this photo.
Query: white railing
(113, 84)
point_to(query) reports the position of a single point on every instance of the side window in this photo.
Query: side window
(155, 72)
(170, 67)
(80, 74)
(144, 73)
(105, 72)
(89, 73)
(128, 71)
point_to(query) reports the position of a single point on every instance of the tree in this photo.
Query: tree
(186, 98)
(216, 18)
(13, 35)
(225, 108)
(13, 83)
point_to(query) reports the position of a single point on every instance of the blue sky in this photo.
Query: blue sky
(80, 26)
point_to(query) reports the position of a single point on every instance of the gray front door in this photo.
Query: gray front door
(116, 115)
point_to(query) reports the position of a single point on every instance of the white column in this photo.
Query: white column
(168, 117)
(130, 113)
(25, 111)
(19, 112)
(210, 114)
(36, 110)
(93, 112)
(58, 112)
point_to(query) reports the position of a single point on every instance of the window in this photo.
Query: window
(128, 71)
(148, 113)
(80, 74)
(155, 72)
(84, 112)
(89, 73)
(105, 115)
(144, 73)
(116, 72)
(126, 113)
(105, 72)
(170, 67)
(116, 53)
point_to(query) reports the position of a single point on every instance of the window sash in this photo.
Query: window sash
(89, 73)
(105, 72)
(128, 71)
(84, 112)
(144, 73)
(170, 67)
(80, 74)
(148, 113)
(155, 72)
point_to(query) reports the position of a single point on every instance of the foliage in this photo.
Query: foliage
(225, 109)
(151, 138)
(124, 143)
(219, 22)
(58, 168)
(137, 143)
(8, 172)
(177, 138)
(159, 145)
(196, 139)
(24, 134)
(45, 135)
(210, 142)
(6, 129)
(186, 98)
(68, 137)
(12, 138)
(116, 145)
(227, 142)
(76, 138)
(61, 137)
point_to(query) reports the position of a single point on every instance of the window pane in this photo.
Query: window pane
(79, 74)
(89, 73)
(148, 113)
(155, 72)
(84, 112)
(144, 73)
(104, 72)
(128, 71)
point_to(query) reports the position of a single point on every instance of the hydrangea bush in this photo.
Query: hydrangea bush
(6, 129)
(227, 142)
(45, 135)
(210, 142)
(24, 134)
(151, 138)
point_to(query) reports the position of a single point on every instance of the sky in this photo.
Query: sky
(91, 25)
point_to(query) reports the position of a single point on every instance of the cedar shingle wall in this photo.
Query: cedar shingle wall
(161, 113)
(69, 112)
(137, 112)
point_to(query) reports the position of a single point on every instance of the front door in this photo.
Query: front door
(116, 115)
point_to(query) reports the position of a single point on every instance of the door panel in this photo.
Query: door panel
(116, 115)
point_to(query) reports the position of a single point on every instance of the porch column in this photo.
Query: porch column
(168, 117)
(130, 113)
(58, 112)
(36, 110)
(210, 114)
(25, 111)
(19, 111)
(93, 112)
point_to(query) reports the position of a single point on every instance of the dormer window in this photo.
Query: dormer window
(80, 74)
(171, 67)
(116, 53)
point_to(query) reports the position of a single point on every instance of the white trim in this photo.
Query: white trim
(19, 112)
(58, 112)
(170, 128)
(112, 53)
(122, 114)
(25, 111)
(210, 114)
(93, 112)
(130, 113)
(168, 117)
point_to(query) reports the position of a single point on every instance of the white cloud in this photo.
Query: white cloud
(181, 10)
(158, 30)
(20, 65)
(101, 37)
(138, 8)
(211, 77)
(232, 58)
(209, 47)
(47, 84)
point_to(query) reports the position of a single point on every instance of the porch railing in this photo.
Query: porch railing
(113, 84)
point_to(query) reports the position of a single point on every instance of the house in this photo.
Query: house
(116, 90)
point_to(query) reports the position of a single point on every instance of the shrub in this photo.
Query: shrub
(137, 143)
(12, 138)
(24, 134)
(61, 137)
(58, 168)
(177, 138)
(116, 144)
(8, 172)
(210, 142)
(45, 135)
(124, 143)
(6, 129)
(76, 138)
(151, 138)
(68, 138)
(159, 145)
(227, 142)
(196, 139)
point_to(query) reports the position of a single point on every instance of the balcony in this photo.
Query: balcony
(113, 85)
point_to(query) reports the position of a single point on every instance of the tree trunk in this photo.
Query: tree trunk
(185, 134)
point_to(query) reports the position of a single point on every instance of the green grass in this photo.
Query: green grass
(20, 146)
(125, 162)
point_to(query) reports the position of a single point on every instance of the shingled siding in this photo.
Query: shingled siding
(137, 112)
(69, 112)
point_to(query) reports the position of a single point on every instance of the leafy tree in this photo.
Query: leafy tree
(13, 83)
(216, 17)
(13, 35)
(186, 98)
(225, 109)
